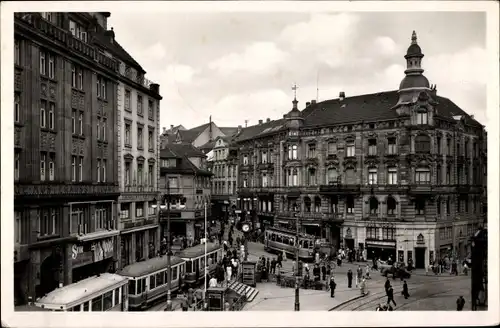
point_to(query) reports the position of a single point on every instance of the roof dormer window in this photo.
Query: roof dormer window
(78, 31)
(422, 117)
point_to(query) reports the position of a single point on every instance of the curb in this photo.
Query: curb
(349, 300)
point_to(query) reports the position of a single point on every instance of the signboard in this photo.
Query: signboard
(99, 250)
(248, 276)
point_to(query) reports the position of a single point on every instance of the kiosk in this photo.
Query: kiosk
(248, 273)
(216, 297)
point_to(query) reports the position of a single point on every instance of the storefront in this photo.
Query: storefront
(92, 257)
(265, 221)
(381, 249)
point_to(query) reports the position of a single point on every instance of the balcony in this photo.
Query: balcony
(265, 166)
(140, 189)
(138, 223)
(335, 189)
(421, 189)
(47, 190)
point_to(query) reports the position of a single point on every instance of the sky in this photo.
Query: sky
(237, 66)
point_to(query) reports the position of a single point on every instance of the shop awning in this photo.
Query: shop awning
(311, 224)
(380, 244)
(283, 222)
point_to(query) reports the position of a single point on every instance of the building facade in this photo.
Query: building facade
(185, 186)
(223, 163)
(138, 156)
(399, 173)
(65, 168)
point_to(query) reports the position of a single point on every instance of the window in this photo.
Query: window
(80, 78)
(150, 175)
(127, 100)
(17, 52)
(52, 109)
(127, 174)
(349, 204)
(17, 109)
(80, 169)
(51, 66)
(372, 176)
(332, 148)
(459, 153)
(139, 105)
(439, 175)
(77, 31)
(97, 304)
(73, 168)
(73, 121)
(422, 144)
(350, 149)
(100, 218)
(17, 227)
(98, 170)
(392, 175)
(388, 233)
(16, 166)
(466, 174)
(150, 109)
(51, 167)
(373, 203)
(124, 210)
(448, 147)
(295, 177)
(422, 176)
(372, 232)
(139, 210)
(391, 149)
(264, 157)
(311, 151)
(140, 141)
(43, 63)
(372, 147)
(438, 141)
(333, 176)
(448, 206)
(245, 159)
(172, 182)
(312, 176)
(140, 172)
(107, 301)
(391, 206)
(459, 174)
(43, 117)
(264, 180)
(104, 166)
(422, 118)
(101, 87)
(80, 123)
(151, 144)
(245, 183)
(43, 160)
(420, 206)
(448, 174)
(127, 135)
(47, 222)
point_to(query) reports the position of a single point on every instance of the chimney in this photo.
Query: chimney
(260, 122)
(164, 130)
(239, 129)
(313, 101)
(268, 120)
(472, 116)
(111, 35)
(171, 127)
(308, 104)
(341, 95)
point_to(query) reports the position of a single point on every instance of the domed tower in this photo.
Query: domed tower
(294, 119)
(414, 87)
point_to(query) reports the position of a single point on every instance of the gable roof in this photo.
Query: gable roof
(370, 107)
(259, 130)
(191, 134)
(229, 131)
(180, 150)
(103, 39)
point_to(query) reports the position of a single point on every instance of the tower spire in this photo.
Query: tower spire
(414, 38)
(294, 88)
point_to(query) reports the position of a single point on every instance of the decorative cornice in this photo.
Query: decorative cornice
(128, 157)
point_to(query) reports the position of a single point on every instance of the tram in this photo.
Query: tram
(147, 280)
(195, 261)
(280, 239)
(104, 292)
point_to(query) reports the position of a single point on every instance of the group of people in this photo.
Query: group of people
(451, 265)
(266, 266)
(389, 291)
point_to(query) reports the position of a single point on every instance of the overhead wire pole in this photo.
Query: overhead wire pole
(297, 278)
(169, 264)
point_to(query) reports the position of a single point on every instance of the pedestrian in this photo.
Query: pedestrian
(349, 278)
(359, 275)
(328, 271)
(273, 265)
(225, 246)
(333, 285)
(235, 254)
(227, 306)
(367, 271)
(268, 265)
(460, 303)
(323, 271)
(390, 296)
(362, 287)
(190, 297)
(184, 302)
(339, 260)
(212, 282)
(230, 240)
(387, 284)
(229, 271)
(316, 273)
(405, 292)
(199, 297)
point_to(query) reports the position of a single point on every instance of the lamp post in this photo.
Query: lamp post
(297, 281)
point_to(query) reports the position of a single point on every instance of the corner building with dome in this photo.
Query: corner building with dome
(396, 173)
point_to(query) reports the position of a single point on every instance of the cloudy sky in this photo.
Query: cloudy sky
(241, 66)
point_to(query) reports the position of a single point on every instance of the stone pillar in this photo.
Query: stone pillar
(91, 226)
(145, 251)
(68, 264)
(132, 245)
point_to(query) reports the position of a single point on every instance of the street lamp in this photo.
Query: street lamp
(169, 265)
(297, 281)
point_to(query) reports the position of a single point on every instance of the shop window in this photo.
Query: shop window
(97, 304)
(107, 301)
(117, 296)
(373, 202)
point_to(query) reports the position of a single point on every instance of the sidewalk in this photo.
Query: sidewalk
(275, 298)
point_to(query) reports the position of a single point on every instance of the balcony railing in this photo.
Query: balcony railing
(140, 189)
(132, 74)
(138, 223)
(340, 188)
(50, 189)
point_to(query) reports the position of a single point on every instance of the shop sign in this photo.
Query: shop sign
(79, 257)
(348, 233)
(420, 240)
(102, 249)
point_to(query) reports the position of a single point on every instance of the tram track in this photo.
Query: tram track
(377, 297)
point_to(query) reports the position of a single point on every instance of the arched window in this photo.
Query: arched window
(422, 144)
(311, 175)
(292, 152)
(332, 175)
(391, 206)
(422, 175)
(317, 204)
(373, 206)
(307, 203)
(392, 175)
(349, 204)
(420, 206)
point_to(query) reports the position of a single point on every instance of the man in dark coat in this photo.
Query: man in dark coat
(323, 271)
(273, 265)
(333, 285)
(460, 303)
(349, 278)
(405, 292)
(316, 273)
(390, 296)
(387, 284)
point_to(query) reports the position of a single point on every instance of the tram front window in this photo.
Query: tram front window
(131, 287)
(306, 244)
